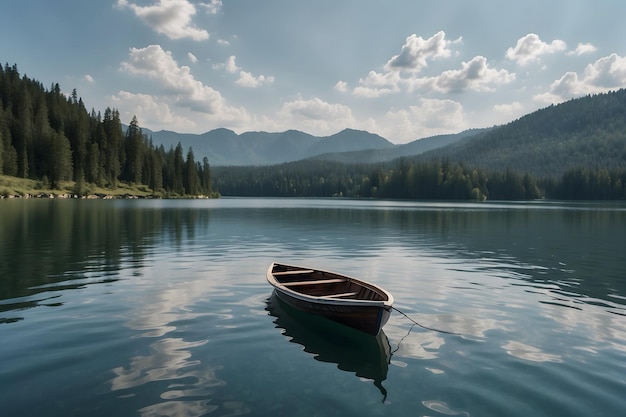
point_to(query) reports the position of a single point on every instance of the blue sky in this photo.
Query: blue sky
(402, 69)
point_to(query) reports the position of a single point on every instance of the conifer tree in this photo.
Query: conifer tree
(134, 152)
(24, 132)
(59, 162)
(191, 180)
(114, 154)
(205, 178)
(178, 170)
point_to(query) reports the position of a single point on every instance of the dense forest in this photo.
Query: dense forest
(586, 132)
(49, 137)
(407, 179)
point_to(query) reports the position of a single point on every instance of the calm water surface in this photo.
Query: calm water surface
(161, 308)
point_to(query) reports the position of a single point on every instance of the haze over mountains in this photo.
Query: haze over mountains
(224, 147)
(586, 132)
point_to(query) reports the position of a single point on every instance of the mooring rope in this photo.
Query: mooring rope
(402, 340)
(424, 327)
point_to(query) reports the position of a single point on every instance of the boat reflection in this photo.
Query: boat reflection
(353, 351)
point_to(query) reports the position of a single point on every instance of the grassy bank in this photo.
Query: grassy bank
(22, 187)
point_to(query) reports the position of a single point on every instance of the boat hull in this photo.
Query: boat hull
(343, 299)
(369, 319)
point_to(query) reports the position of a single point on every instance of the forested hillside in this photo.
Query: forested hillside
(588, 132)
(49, 137)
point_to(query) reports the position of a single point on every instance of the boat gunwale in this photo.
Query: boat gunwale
(329, 300)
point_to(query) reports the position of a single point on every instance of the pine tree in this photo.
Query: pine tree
(2, 132)
(134, 146)
(93, 167)
(9, 154)
(24, 132)
(205, 178)
(114, 153)
(77, 131)
(178, 170)
(59, 162)
(153, 169)
(191, 181)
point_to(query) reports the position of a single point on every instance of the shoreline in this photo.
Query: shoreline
(96, 196)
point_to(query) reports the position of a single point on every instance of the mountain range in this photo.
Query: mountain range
(224, 147)
(587, 132)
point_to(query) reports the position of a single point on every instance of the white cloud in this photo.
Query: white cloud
(316, 116)
(377, 84)
(474, 75)
(150, 111)
(230, 65)
(223, 42)
(530, 48)
(212, 7)
(370, 92)
(582, 49)
(169, 17)
(430, 117)
(192, 57)
(608, 72)
(400, 72)
(178, 84)
(416, 52)
(341, 86)
(89, 78)
(246, 79)
(603, 75)
(511, 110)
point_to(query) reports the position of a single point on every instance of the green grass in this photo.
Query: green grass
(13, 186)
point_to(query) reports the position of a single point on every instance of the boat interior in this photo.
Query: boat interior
(324, 284)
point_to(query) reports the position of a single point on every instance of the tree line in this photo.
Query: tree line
(408, 179)
(49, 137)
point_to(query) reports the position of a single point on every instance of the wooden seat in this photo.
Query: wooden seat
(343, 295)
(294, 272)
(314, 282)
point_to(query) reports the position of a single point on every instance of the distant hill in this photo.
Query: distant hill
(416, 147)
(225, 147)
(588, 132)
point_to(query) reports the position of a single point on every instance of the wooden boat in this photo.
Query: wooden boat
(340, 298)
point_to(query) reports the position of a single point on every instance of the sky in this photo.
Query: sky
(403, 69)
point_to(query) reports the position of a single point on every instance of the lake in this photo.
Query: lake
(161, 308)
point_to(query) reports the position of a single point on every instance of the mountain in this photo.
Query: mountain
(416, 147)
(225, 147)
(587, 132)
